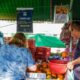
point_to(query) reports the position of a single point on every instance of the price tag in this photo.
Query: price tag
(37, 75)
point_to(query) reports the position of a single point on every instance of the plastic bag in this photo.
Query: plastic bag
(69, 75)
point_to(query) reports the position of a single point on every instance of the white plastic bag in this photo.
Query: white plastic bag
(69, 75)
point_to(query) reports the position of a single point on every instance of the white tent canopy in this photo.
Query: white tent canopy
(9, 27)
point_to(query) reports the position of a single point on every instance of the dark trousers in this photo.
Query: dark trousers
(75, 78)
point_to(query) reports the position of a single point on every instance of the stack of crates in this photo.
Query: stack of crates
(31, 46)
(42, 53)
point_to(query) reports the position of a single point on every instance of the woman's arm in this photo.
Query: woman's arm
(71, 64)
(76, 61)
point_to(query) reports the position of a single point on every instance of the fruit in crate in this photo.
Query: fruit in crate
(48, 76)
(38, 70)
(60, 76)
(47, 70)
(53, 75)
(44, 64)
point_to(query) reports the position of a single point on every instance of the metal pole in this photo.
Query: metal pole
(51, 9)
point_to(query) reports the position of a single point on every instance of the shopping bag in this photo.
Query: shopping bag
(69, 75)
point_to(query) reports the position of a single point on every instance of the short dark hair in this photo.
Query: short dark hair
(19, 40)
(75, 25)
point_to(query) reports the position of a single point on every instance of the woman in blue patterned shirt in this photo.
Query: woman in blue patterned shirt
(15, 58)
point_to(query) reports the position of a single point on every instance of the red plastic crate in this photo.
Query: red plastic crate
(31, 43)
(42, 53)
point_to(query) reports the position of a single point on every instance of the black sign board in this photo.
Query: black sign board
(24, 20)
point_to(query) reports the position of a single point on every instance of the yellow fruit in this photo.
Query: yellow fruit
(53, 75)
(48, 76)
(60, 77)
(64, 54)
(44, 64)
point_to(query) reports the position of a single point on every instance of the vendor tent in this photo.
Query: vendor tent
(46, 41)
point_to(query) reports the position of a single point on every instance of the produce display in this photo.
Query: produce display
(43, 67)
(41, 56)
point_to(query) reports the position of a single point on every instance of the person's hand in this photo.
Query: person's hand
(70, 65)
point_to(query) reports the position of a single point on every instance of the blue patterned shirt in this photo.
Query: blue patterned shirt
(14, 61)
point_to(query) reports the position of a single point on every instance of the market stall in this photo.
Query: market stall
(40, 46)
